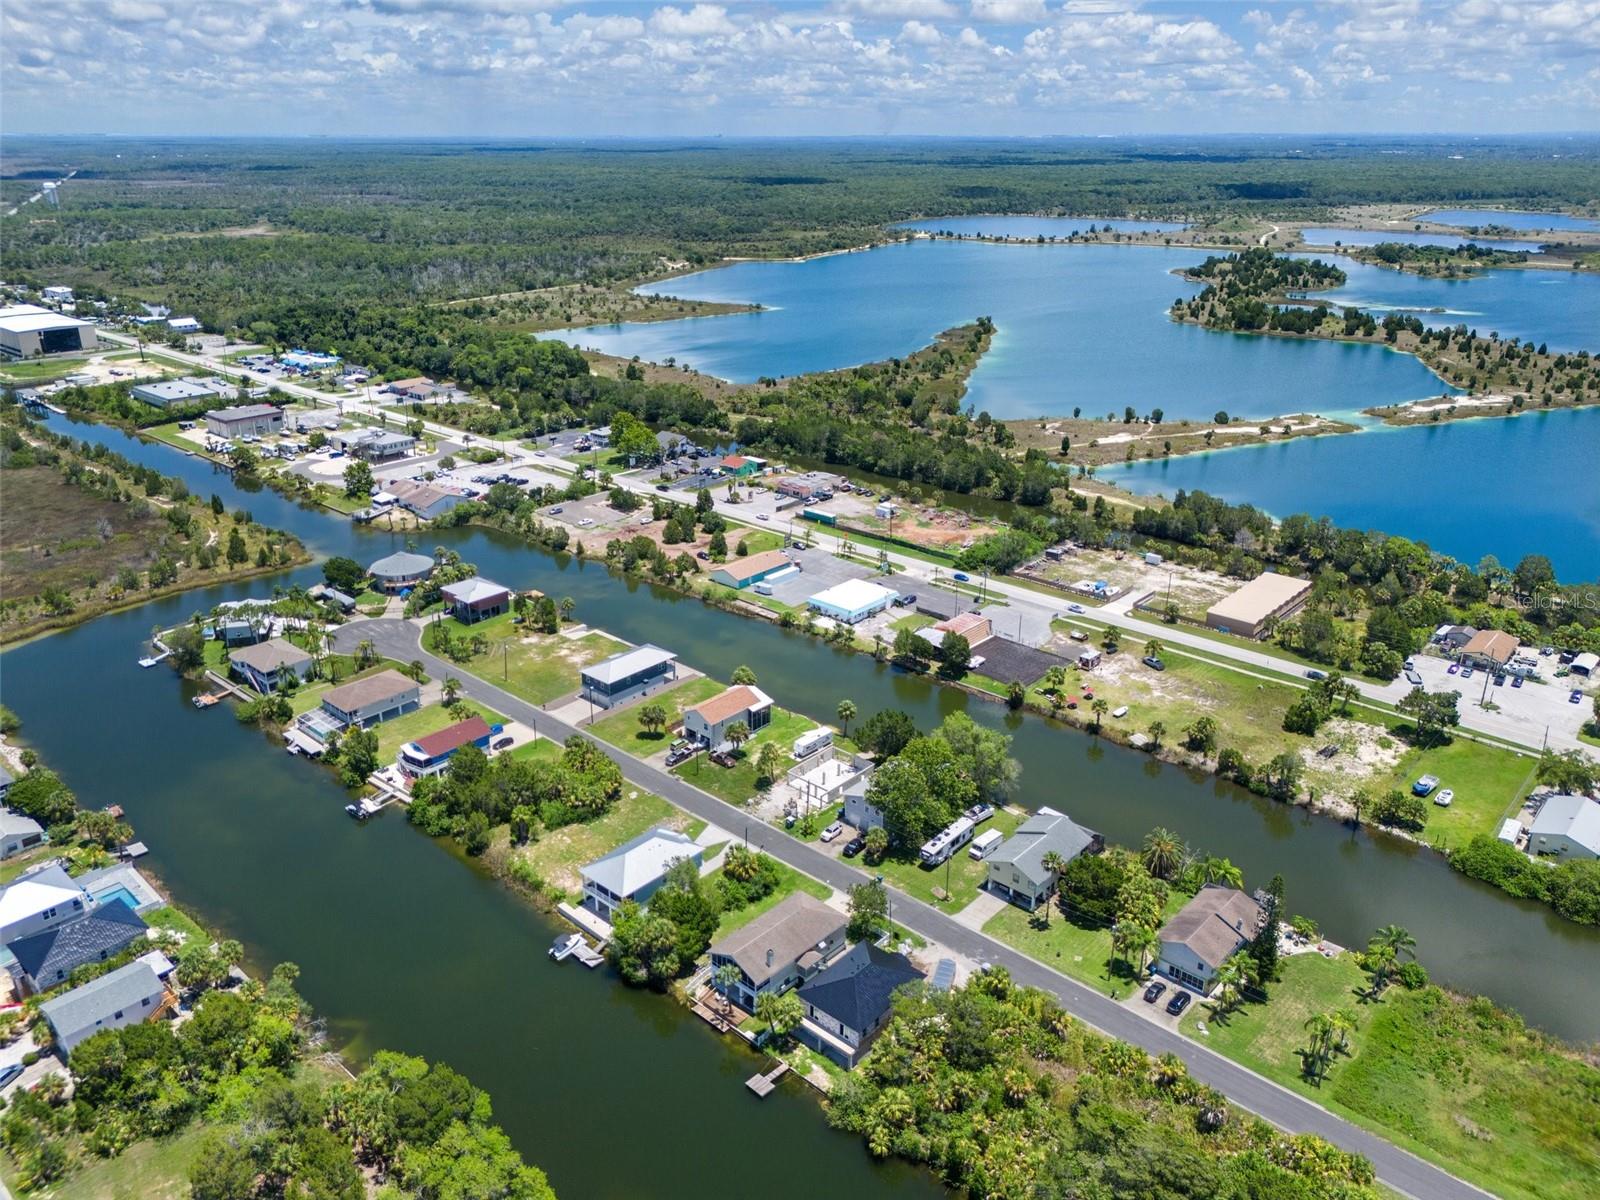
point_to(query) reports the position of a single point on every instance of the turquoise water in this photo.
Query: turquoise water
(1033, 227)
(1470, 217)
(1507, 487)
(1371, 237)
(119, 892)
(1558, 308)
(1080, 326)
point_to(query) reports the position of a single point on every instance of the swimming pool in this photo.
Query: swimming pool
(117, 892)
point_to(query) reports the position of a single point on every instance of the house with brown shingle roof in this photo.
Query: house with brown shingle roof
(782, 948)
(1490, 648)
(710, 721)
(1205, 933)
(267, 664)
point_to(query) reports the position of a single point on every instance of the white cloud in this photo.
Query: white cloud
(703, 20)
(1009, 12)
(920, 33)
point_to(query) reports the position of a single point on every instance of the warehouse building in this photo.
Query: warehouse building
(853, 600)
(1265, 600)
(191, 390)
(256, 420)
(27, 331)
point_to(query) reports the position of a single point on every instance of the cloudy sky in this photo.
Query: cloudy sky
(576, 67)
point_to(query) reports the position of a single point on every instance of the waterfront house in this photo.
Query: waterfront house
(400, 571)
(242, 631)
(614, 680)
(6, 780)
(17, 832)
(973, 626)
(1205, 933)
(266, 665)
(849, 1001)
(40, 900)
(431, 755)
(858, 810)
(1017, 871)
(1255, 608)
(781, 949)
(1490, 649)
(852, 601)
(427, 500)
(740, 573)
(44, 959)
(634, 870)
(1566, 827)
(324, 594)
(126, 996)
(245, 420)
(373, 698)
(476, 599)
(709, 721)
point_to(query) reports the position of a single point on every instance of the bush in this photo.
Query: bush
(1504, 866)
(1413, 976)
(1400, 809)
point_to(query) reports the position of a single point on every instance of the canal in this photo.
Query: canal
(406, 949)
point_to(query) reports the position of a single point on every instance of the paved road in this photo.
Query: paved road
(1397, 1168)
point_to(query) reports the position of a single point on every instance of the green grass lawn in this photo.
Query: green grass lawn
(790, 881)
(1081, 951)
(622, 729)
(169, 916)
(756, 540)
(1448, 1078)
(428, 719)
(1489, 785)
(154, 1169)
(737, 784)
(912, 621)
(558, 854)
(18, 863)
(961, 875)
(336, 500)
(539, 669)
(540, 750)
(168, 433)
(33, 371)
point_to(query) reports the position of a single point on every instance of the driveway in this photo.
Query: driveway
(1397, 1168)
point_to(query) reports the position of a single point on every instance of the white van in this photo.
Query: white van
(983, 843)
(763, 589)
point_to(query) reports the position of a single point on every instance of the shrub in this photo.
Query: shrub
(1400, 809)
(1412, 975)
(1504, 866)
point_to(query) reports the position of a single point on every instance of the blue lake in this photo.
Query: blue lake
(1558, 308)
(1035, 227)
(1372, 237)
(1468, 218)
(1081, 326)
(1507, 487)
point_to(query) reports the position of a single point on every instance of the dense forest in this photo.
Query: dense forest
(220, 227)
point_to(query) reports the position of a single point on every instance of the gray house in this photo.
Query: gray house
(401, 570)
(371, 699)
(847, 1003)
(634, 870)
(266, 665)
(17, 832)
(635, 672)
(1205, 933)
(783, 948)
(858, 811)
(1567, 827)
(1017, 870)
(126, 996)
(45, 959)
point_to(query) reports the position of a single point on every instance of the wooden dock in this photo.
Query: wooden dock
(764, 1085)
(228, 686)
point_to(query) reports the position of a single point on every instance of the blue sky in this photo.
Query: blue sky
(778, 67)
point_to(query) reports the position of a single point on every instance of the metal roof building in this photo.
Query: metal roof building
(26, 330)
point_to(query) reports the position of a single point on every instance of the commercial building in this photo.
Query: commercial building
(1490, 648)
(784, 947)
(374, 445)
(809, 485)
(755, 568)
(126, 996)
(975, 627)
(742, 466)
(245, 420)
(476, 599)
(431, 755)
(266, 665)
(57, 294)
(308, 360)
(425, 499)
(1566, 827)
(1205, 933)
(1017, 868)
(183, 325)
(853, 600)
(849, 1002)
(634, 870)
(190, 390)
(1254, 608)
(401, 570)
(710, 721)
(611, 681)
(27, 331)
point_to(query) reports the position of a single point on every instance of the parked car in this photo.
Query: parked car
(832, 831)
(1120, 711)
(855, 846)
(1499, 680)
(1576, 697)
(1516, 681)
(701, 554)
(502, 743)
(661, 487)
(1444, 798)
(1424, 785)
(1452, 668)
(556, 511)
(10, 1074)
(1178, 1003)
(762, 517)
(1466, 672)
(961, 577)
(1413, 679)
(723, 759)
(1154, 663)
(1410, 664)
(1154, 991)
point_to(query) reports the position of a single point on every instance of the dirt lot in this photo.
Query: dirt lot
(1193, 590)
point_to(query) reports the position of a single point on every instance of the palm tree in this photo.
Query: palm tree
(568, 606)
(738, 733)
(1158, 730)
(1112, 638)
(1163, 851)
(769, 761)
(366, 653)
(1055, 864)
(416, 670)
(846, 712)
(1220, 870)
(1232, 977)
(1153, 648)
(452, 689)
(1099, 708)
(1143, 943)
(1344, 1024)
(724, 977)
(1396, 938)
(1320, 1026)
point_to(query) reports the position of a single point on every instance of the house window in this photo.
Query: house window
(145, 1003)
(117, 1016)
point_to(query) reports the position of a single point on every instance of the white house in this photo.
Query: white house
(710, 720)
(126, 996)
(1567, 827)
(18, 833)
(634, 870)
(859, 811)
(40, 901)
(1205, 933)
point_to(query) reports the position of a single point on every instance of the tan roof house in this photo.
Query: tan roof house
(782, 948)
(1205, 933)
(1490, 648)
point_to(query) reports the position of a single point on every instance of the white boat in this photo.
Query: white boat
(565, 945)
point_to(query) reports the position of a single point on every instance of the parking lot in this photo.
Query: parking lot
(593, 513)
(1524, 713)
(818, 570)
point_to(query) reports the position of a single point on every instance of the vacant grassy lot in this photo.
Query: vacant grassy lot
(791, 881)
(148, 1170)
(1080, 950)
(737, 783)
(1489, 785)
(558, 854)
(535, 666)
(960, 876)
(1452, 1079)
(40, 370)
(622, 729)
(428, 719)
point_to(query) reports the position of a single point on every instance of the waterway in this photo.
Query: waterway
(389, 928)
(1373, 237)
(1037, 227)
(1473, 218)
(1501, 486)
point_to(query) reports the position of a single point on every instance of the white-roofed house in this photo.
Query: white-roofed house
(620, 678)
(39, 901)
(1567, 826)
(476, 599)
(634, 870)
(853, 600)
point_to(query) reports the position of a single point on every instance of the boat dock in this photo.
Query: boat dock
(206, 699)
(573, 945)
(228, 686)
(763, 1085)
